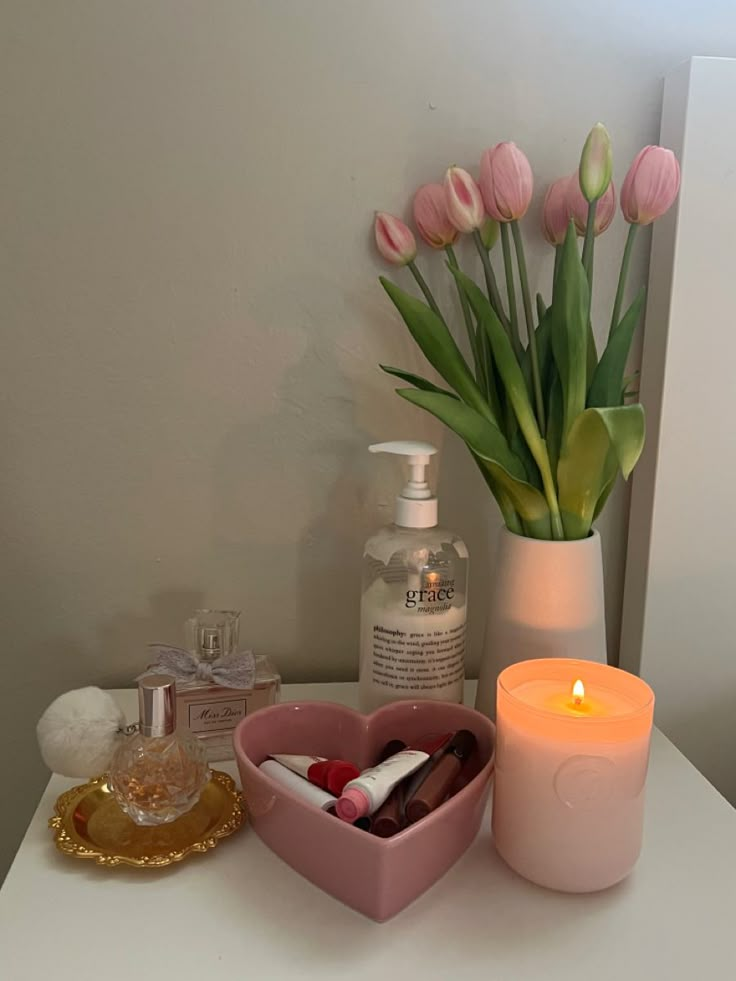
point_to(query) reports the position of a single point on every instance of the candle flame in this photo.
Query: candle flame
(578, 692)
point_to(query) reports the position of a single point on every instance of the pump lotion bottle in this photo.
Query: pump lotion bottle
(414, 600)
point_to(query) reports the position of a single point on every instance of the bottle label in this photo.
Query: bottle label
(216, 716)
(435, 596)
(420, 657)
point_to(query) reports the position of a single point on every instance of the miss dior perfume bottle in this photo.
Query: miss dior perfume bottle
(158, 773)
(217, 685)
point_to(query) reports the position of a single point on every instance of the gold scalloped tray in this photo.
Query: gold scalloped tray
(89, 824)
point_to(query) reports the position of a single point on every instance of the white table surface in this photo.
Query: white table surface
(239, 911)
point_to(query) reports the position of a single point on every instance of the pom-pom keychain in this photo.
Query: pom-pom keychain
(80, 731)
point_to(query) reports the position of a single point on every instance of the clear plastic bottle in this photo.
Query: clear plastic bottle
(158, 773)
(414, 599)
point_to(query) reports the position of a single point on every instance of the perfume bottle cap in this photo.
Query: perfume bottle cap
(212, 634)
(210, 645)
(157, 705)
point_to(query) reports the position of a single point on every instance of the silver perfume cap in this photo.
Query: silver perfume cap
(212, 634)
(157, 705)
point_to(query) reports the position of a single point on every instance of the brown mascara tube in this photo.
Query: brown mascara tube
(438, 782)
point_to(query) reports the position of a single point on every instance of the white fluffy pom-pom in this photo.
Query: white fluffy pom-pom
(79, 732)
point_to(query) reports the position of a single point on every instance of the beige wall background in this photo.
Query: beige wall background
(190, 311)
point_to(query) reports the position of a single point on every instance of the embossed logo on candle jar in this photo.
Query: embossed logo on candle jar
(584, 782)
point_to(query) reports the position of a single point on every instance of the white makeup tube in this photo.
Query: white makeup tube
(366, 793)
(305, 789)
(297, 764)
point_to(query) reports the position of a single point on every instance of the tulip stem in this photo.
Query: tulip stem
(508, 265)
(622, 276)
(467, 317)
(532, 337)
(588, 242)
(422, 283)
(558, 257)
(491, 285)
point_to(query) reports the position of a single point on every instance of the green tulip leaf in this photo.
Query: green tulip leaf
(569, 329)
(608, 485)
(516, 392)
(484, 438)
(608, 379)
(544, 354)
(520, 449)
(584, 469)
(510, 517)
(515, 388)
(502, 470)
(528, 502)
(554, 423)
(541, 307)
(508, 366)
(416, 380)
(438, 346)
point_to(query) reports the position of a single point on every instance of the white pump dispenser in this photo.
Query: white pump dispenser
(416, 505)
(413, 607)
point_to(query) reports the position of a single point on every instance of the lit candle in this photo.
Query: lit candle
(571, 762)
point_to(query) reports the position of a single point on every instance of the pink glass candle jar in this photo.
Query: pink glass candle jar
(571, 764)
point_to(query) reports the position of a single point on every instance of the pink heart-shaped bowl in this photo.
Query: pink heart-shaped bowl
(376, 876)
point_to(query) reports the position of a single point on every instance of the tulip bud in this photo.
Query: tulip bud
(489, 231)
(431, 218)
(506, 182)
(651, 185)
(556, 212)
(463, 200)
(395, 241)
(596, 164)
(578, 207)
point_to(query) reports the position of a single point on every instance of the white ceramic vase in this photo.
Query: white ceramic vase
(546, 601)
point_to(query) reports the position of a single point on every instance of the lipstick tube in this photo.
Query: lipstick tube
(438, 782)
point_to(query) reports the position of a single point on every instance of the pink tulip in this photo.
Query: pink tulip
(463, 200)
(506, 182)
(651, 185)
(578, 207)
(395, 241)
(431, 218)
(556, 212)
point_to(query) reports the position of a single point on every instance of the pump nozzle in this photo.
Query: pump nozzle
(416, 507)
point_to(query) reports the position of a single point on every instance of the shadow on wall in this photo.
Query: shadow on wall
(126, 636)
(290, 506)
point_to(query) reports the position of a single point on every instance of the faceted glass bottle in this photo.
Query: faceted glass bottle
(210, 710)
(158, 773)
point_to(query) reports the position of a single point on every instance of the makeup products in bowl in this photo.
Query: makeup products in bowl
(444, 772)
(390, 818)
(366, 794)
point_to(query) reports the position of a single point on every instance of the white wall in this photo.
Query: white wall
(679, 603)
(190, 308)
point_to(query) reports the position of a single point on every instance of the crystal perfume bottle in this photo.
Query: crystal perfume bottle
(217, 685)
(158, 773)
